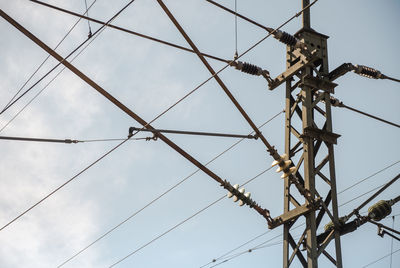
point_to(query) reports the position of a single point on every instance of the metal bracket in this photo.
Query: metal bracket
(302, 63)
(318, 83)
(319, 134)
(290, 215)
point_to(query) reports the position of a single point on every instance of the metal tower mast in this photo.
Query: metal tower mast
(308, 123)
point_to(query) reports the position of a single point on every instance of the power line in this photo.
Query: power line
(95, 35)
(185, 220)
(385, 186)
(48, 83)
(82, 171)
(67, 141)
(61, 186)
(370, 176)
(64, 59)
(351, 200)
(370, 115)
(369, 264)
(45, 60)
(232, 250)
(239, 15)
(161, 195)
(126, 30)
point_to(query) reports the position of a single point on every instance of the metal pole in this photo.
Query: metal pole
(306, 15)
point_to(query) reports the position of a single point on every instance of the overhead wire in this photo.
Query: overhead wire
(377, 260)
(257, 247)
(91, 39)
(368, 177)
(186, 219)
(61, 186)
(239, 15)
(160, 196)
(45, 60)
(66, 141)
(126, 30)
(369, 115)
(69, 55)
(82, 171)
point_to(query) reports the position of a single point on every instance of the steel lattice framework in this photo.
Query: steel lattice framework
(308, 123)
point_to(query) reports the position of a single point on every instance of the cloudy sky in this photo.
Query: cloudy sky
(148, 78)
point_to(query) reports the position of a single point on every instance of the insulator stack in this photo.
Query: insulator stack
(284, 165)
(380, 210)
(251, 69)
(367, 72)
(287, 39)
(239, 194)
(248, 68)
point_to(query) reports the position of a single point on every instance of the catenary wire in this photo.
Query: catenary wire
(187, 219)
(370, 176)
(247, 242)
(369, 115)
(260, 246)
(48, 84)
(126, 30)
(61, 186)
(66, 141)
(251, 250)
(82, 171)
(391, 78)
(161, 195)
(238, 15)
(351, 200)
(94, 36)
(45, 60)
(69, 55)
(369, 264)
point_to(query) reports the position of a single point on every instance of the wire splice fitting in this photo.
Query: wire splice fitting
(368, 72)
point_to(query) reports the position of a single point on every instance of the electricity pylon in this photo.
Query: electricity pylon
(309, 141)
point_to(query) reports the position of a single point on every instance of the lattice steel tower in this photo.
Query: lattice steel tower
(309, 140)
